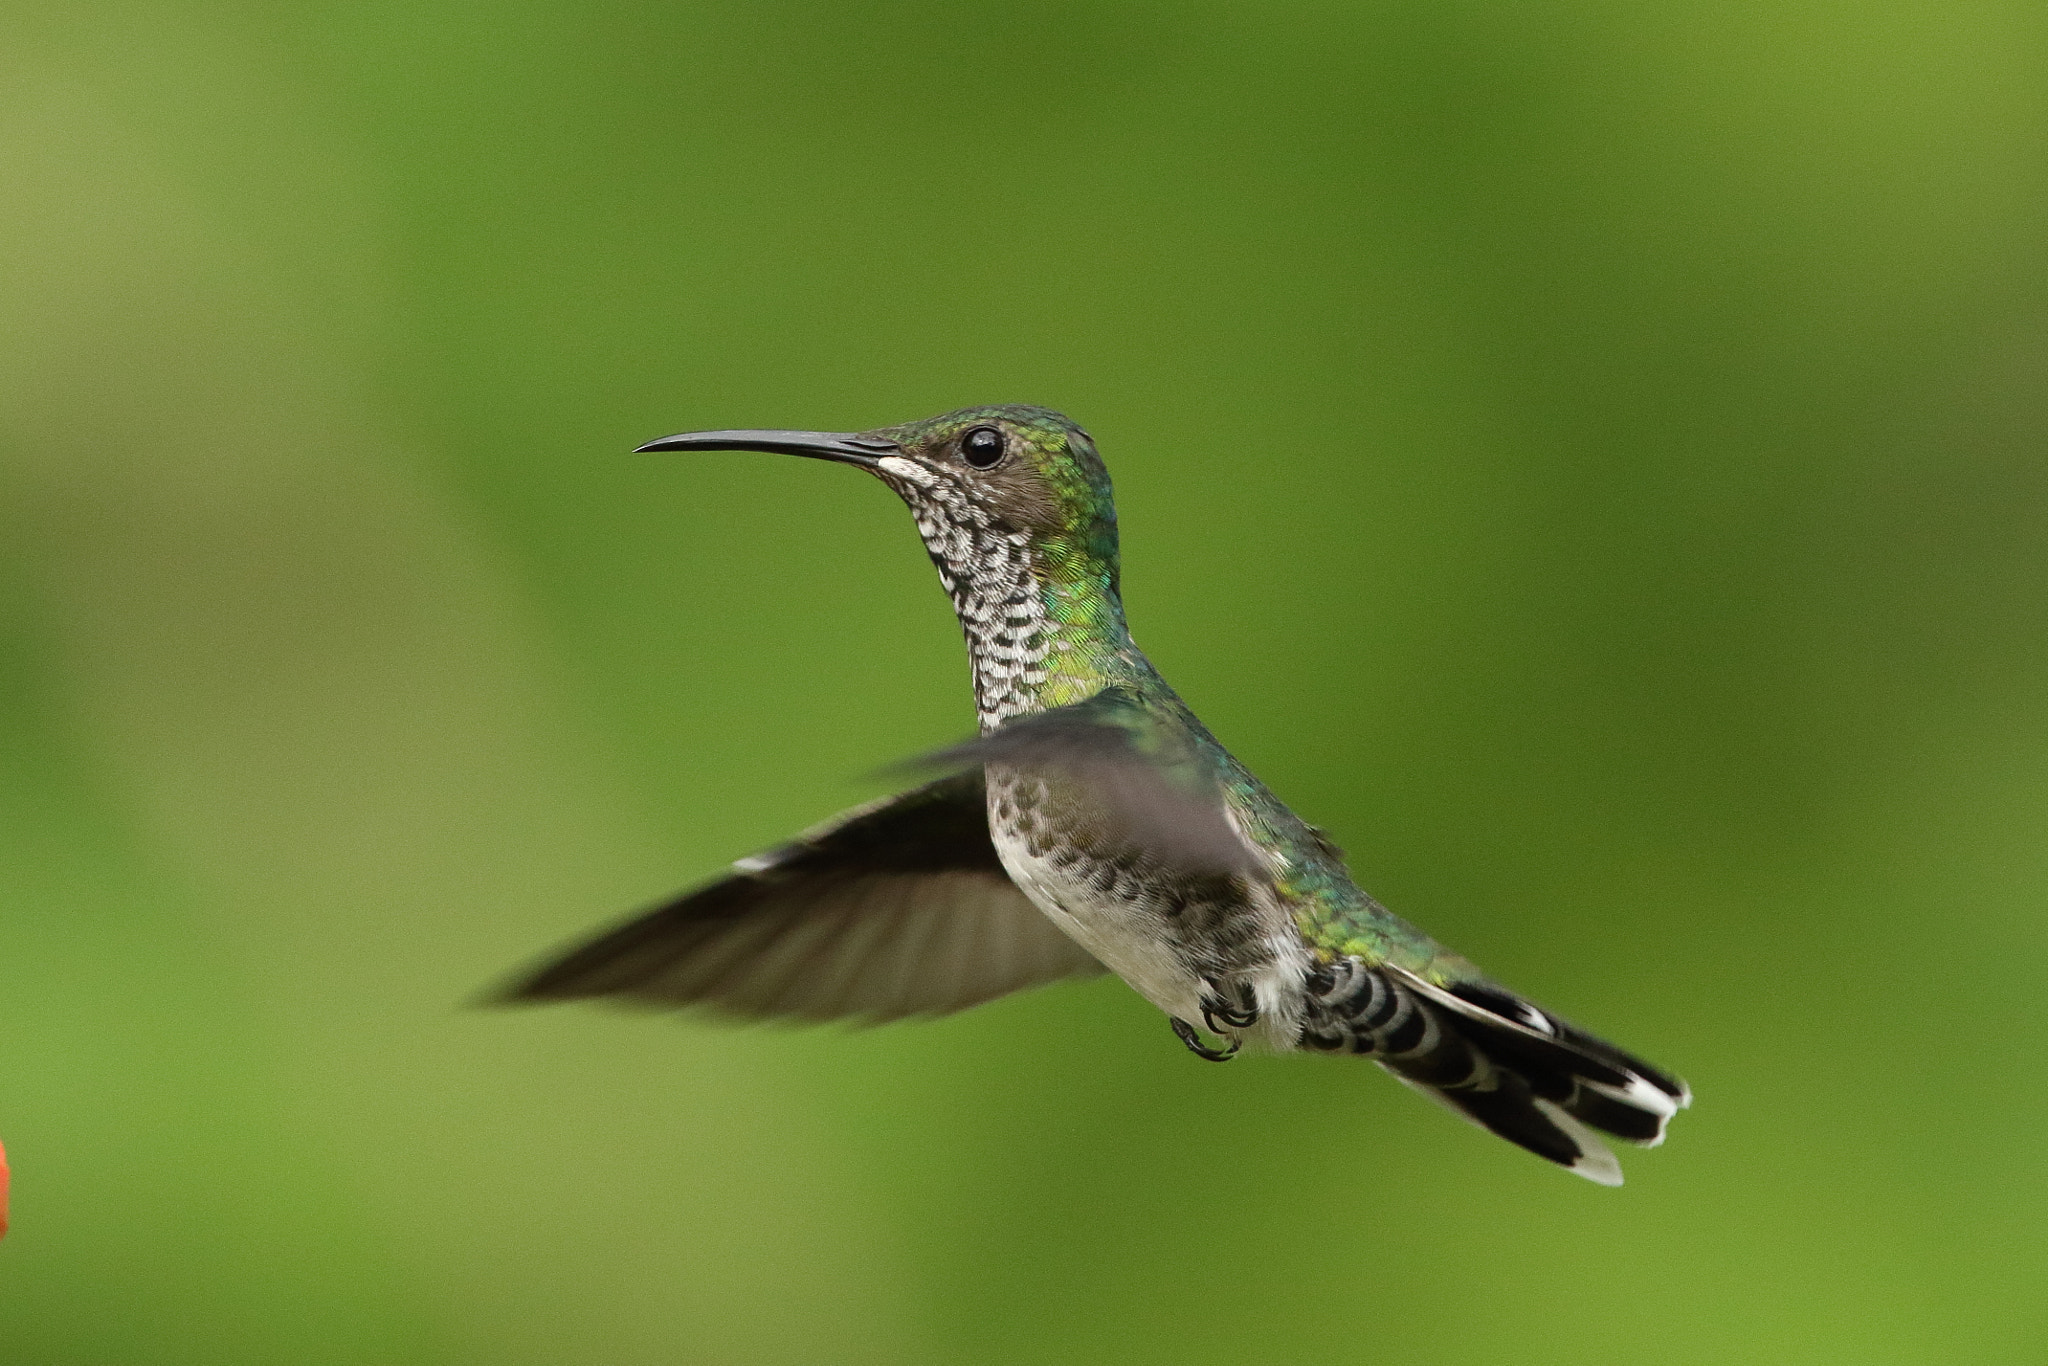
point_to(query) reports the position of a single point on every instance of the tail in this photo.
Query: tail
(1508, 1066)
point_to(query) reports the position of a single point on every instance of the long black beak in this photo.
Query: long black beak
(845, 447)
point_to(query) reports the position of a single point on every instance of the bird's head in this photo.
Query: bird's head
(982, 482)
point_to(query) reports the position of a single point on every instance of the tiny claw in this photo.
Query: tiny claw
(1222, 1017)
(1201, 1050)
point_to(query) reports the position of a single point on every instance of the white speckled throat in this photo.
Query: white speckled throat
(987, 571)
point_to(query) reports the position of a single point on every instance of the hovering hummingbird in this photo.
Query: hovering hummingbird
(1095, 825)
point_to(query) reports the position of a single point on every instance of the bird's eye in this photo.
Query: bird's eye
(982, 447)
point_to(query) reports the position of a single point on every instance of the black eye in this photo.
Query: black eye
(982, 447)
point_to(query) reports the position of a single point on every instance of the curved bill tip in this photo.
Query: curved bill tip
(847, 448)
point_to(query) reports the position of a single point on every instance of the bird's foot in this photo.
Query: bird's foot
(1201, 1050)
(1223, 1016)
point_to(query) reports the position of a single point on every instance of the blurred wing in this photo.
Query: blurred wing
(897, 908)
(1145, 781)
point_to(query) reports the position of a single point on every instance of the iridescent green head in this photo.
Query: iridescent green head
(983, 483)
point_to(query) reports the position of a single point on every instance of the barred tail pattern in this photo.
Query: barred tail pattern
(1509, 1066)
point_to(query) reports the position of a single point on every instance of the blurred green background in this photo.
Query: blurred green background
(1587, 455)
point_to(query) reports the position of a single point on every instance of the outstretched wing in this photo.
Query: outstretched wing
(897, 908)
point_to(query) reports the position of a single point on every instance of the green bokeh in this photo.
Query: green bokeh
(1587, 455)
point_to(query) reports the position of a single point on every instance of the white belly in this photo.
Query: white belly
(1132, 937)
(1126, 936)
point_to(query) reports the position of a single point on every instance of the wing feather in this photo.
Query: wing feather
(894, 909)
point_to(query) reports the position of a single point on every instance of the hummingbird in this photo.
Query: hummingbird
(1093, 826)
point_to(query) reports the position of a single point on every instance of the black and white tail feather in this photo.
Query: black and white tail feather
(1513, 1069)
